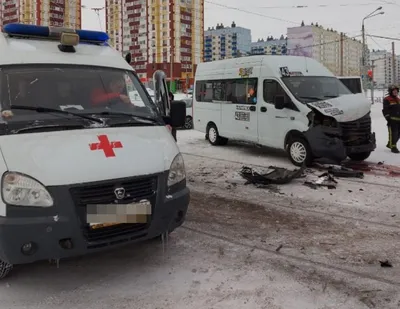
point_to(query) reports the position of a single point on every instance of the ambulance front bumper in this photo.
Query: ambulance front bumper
(28, 235)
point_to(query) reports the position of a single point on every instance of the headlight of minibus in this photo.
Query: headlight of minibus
(21, 190)
(177, 171)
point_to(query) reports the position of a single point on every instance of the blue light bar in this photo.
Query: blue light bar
(42, 31)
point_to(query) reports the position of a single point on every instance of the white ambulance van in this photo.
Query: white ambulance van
(285, 102)
(84, 167)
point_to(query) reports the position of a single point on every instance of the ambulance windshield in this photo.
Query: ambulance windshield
(79, 89)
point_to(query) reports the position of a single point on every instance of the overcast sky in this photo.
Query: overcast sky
(272, 17)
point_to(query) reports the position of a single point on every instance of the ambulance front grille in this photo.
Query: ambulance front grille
(104, 193)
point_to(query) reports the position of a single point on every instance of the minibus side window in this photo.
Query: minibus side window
(204, 91)
(271, 89)
(244, 91)
(237, 91)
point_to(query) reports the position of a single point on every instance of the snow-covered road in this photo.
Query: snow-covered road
(290, 247)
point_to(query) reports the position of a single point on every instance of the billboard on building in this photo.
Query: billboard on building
(300, 41)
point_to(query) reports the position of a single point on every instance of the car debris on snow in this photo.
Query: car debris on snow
(386, 263)
(325, 180)
(341, 171)
(274, 175)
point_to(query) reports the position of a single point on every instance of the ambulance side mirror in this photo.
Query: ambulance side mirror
(178, 114)
(161, 98)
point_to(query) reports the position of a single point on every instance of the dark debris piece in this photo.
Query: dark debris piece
(385, 263)
(276, 175)
(345, 172)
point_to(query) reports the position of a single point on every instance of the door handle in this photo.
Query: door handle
(263, 109)
(252, 108)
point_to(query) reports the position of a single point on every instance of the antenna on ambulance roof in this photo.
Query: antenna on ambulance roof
(305, 59)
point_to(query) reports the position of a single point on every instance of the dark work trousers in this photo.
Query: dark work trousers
(394, 133)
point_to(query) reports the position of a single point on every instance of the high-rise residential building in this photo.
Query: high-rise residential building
(159, 34)
(270, 46)
(340, 54)
(383, 67)
(226, 42)
(61, 13)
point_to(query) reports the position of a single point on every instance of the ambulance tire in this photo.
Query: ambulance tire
(213, 136)
(5, 269)
(299, 151)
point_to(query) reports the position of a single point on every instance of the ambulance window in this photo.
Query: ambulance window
(271, 89)
(81, 88)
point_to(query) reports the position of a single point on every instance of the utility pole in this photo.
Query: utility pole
(341, 53)
(372, 81)
(97, 11)
(171, 69)
(393, 65)
(363, 56)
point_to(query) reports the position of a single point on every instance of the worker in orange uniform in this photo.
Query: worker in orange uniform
(391, 112)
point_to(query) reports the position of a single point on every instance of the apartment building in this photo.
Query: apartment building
(270, 46)
(159, 34)
(226, 42)
(339, 53)
(62, 13)
(383, 68)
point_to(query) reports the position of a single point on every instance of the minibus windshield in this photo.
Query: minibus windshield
(315, 88)
(82, 90)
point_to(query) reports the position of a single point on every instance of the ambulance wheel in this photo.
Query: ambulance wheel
(213, 136)
(5, 269)
(361, 156)
(299, 151)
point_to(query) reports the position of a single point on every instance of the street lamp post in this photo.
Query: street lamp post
(364, 66)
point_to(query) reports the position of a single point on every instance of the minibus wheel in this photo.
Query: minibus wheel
(213, 136)
(5, 269)
(299, 151)
(360, 156)
(189, 123)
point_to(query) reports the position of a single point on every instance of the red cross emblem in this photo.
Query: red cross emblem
(106, 146)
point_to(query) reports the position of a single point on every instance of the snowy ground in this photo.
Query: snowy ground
(289, 247)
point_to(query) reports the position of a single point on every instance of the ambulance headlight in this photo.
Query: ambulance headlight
(177, 171)
(21, 190)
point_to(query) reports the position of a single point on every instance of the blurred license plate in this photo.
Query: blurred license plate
(101, 216)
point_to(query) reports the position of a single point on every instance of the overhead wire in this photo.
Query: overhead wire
(317, 6)
(250, 12)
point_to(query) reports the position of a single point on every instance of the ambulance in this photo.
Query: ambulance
(290, 103)
(85, 165)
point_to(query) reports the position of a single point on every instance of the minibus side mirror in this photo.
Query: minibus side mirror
(178, 114)
(128, 58)
(280, 102)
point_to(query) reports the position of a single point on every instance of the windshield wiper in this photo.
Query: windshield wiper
(331, 96)
(311, 98)
(42, 109)
(128, 115)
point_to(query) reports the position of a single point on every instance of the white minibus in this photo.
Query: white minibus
(285, 102)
